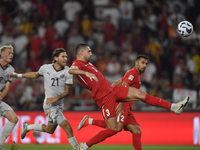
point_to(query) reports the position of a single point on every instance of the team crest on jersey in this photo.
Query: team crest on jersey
(62, 76)
(131, 77)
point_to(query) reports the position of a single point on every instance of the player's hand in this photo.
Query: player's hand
(119, 109)
(51, 100)
(12, 75)
(91, 76)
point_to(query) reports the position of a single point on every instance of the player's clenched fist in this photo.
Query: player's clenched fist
(15, 75)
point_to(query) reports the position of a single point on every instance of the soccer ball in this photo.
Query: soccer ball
(185, 28)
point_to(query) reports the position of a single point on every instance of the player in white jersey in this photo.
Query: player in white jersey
(5, 110)
(57, 84)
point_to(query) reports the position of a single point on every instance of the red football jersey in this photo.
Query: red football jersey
(99, 89)
(132, 77)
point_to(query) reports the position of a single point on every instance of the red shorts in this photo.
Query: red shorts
(107, 103)
(127, 117)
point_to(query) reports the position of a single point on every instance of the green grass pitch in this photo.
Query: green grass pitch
(99, 147)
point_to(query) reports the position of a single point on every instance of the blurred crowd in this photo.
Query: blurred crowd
(117, 31)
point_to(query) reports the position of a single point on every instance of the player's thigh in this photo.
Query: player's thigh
(49, 128)
(112, 123)
(11, 116)
(135, 94)
(66, 126)
(133, 128)
(8, 112)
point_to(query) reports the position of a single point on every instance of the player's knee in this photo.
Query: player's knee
(50, 131)
(14, 119)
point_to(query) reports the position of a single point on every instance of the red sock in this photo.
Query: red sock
(136, 141)
(155, 101)
(101, 136)
(99, 123)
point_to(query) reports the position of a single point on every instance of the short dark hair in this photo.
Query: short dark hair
(79, 47)
(57, 52)
(141, 56)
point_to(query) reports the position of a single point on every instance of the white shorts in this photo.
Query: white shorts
(4, 108)
(55, 116)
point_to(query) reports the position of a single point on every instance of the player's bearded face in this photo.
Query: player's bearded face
(87, 54)
(62, 59)
(142, 64)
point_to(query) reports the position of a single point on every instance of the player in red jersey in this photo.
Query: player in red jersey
(125, 118)
(106, 95)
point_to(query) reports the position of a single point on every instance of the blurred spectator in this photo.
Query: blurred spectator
(163, 18)
(190, 63)
(49, 36)
(91, 41)
(19, 18)
(150, 71)
(88, 8)
(34, 62)
(109, 34)
(172, 3)
(26, 99)
(58, 42)
(138, 41)
(42, 10)
(102, 62)
(25, 5)
(37, 43)
(176, 16)
(167, 91)
(10, 7)
(196, 59)
(62, 26)
(71, 7)
(86, 25)
(154, 86)
(126, 8)
(41, 29)
(7, 38)
(113, 66)
(75, 38)
(177, 82)
(20, 48)
(112, 11)
(151, 20)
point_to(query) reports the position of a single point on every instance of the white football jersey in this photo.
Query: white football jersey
(54, 83)
(4, 75)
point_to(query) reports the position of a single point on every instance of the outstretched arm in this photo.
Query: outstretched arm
(118, 82)
(74, 70)
(5, 90)
(66, 93)
(29, 75)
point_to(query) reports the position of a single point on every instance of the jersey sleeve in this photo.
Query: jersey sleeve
(130, 78)
(41, 70)
(69, 78)
(76, 64)
(11, 71)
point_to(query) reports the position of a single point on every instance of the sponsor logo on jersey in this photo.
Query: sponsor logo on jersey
(48, 73)
(62, 76)
(131, 77)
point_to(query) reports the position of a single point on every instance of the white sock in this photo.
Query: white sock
(173, 106)
(73, 142)
(6, 130)
(36, 127)
(85, 147)
(90, 121)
